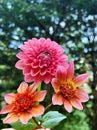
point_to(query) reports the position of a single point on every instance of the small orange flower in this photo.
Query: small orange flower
(66, 88)
(23, 105)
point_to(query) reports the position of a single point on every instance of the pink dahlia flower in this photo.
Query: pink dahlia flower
(39, 59)
(66, 88)
(24, 105)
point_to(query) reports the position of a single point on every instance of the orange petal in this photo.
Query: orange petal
(56, 85)
(23, 87)
(61, 73)
(11, 118)
(82, 95)
(57, 99)
(81, 79)
(25, 117)
(37, 110)
(67, 105)
(9, 98)
(39, 96)
(70, 70)
(76, 103)
(6, 109)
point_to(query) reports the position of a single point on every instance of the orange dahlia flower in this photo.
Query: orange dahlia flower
(23, 105)
(66, 88)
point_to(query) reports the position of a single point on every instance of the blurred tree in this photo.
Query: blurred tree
(72, 23)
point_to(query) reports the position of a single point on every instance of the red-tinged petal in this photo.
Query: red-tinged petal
(56, 85)
(76, 103)
(27, 70)
(39, 96)
(82, 95)
(20, 64)
(28, 78)
(61, 73)
(11, 118)
(67, 105)
(23, 87)
(9, 98)
(37, 110)
(25, 117)
(6, 109)
(33, 87)
(70, 70)
(57, 99)
(81, 79)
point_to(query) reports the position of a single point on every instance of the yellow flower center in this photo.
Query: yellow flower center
(67, 89)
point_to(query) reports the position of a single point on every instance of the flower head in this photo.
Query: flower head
(23, 105)
(66, 88)
(39, 59)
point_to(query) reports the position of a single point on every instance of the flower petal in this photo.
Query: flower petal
(6, 109)
(9, 98)
(28, 78)
(56, 85)
(11, 118)
(20, 64)
(23, 87)
(33, 87)
(61, 73)
(24, 117)
(67, 105)
(70, 70)
(39, 96)
(37, 110)
(82, 95)
(76, 103)
(57, 99)
(81, 79)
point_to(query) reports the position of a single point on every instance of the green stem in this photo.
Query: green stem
(39, 125)
(39, 87)
(48, 106)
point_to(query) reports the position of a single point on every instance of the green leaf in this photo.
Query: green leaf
(52, 118)
(19, 126)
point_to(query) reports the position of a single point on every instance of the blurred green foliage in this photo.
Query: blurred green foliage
(71, 23)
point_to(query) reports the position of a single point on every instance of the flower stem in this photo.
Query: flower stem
(39, 87)
(39, 125)
(48, 106)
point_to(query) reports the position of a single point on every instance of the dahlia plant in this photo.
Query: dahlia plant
(43, 60)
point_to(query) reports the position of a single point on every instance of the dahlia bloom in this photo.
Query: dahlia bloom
(66, 88)
(39, 59)
(23, 105)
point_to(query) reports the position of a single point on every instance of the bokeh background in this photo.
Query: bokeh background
(71, 23)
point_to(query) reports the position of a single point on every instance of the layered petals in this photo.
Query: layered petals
(23, 105)
(67, 90)
(39, 59)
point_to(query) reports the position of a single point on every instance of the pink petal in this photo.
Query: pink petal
(76, 103)
(27, 70)
(21, 55)
(33, 87)
(39, 96)
(61, 73)
(23, 87)
(37, 110)
(56, 85)
(82, 95)
(6, 109)
(81, 79)
(24, 117)
(28, 78)
(9, 98)
(70, 70)
(57, 99)
(20, 64)
(67, 105)
(11, 118)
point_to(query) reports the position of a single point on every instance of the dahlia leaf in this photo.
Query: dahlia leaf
(52, 119)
